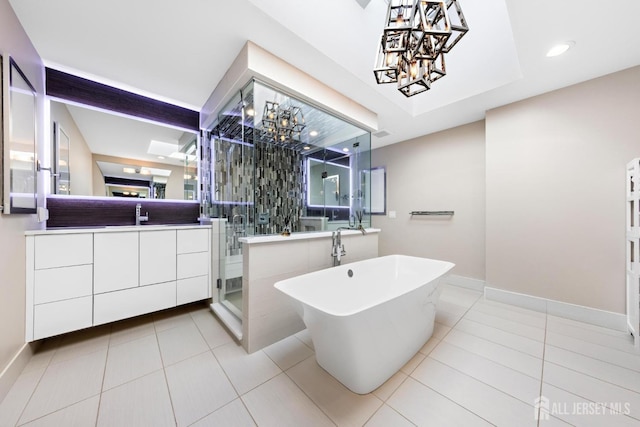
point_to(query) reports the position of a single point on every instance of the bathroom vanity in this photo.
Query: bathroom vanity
(77, 278)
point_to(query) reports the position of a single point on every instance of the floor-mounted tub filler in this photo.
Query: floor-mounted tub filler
(367, 319)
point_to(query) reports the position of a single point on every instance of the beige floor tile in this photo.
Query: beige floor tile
(483, 400)
(510, 312)
(386, 417)
(500, 377)
(211, 329)
(461, 296)
(198, 386)
(507, 325)
(172, 318)
(245, 371)
(81, 343)
(341, 405)
(305, 337)
(131, 360)
(601, 352)
(521, 362)
(287, 352)
(429, 346)
(507, 339)
(66, 383)
(280, 403)
(233, 414)
(591, 388)
(604, 371)
(43, 354)
(440, 330)
(582, 412)
(413, 363)
(423, 406)
(80, 414)
(15, 401)
(142, 402)
(180, 343)
(386, 390)
(131, 329)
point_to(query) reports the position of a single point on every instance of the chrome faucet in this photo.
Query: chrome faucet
(141, 218)
(337, 248)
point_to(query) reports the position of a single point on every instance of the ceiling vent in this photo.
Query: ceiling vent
(381, 134)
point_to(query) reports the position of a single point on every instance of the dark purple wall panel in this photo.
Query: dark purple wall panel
(72, 212)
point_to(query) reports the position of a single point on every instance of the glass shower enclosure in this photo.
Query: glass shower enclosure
(278, 164)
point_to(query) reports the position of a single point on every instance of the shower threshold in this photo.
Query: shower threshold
(228, 318)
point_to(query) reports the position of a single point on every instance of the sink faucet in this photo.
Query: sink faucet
(337, 248)
(141, 218)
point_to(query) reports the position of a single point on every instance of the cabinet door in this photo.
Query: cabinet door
(115, 263)
(157, 256)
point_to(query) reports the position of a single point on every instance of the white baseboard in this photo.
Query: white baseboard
(13, 370)
(594, 316)
(466, 282)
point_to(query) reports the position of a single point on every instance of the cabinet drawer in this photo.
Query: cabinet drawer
(191, 265)
(157, 257)
(63, 250)
(115, 261)
(193, 289)
(63, 316)
(56, 284)
(132, 302)
(193, 240)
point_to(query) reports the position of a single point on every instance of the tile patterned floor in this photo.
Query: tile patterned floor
(487, 364)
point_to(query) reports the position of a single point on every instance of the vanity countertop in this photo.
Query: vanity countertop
(277, 238)
(113, 229)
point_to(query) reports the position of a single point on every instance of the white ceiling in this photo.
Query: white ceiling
(179, 51)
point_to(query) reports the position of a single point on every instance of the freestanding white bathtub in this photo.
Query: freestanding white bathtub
(367, 319)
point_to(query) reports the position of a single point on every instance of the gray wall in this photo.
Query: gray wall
(442, 171)
(556, 191)
(14, 42)
(551, 172)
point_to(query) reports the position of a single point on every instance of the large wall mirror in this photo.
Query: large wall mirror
(19, 148)
(100, 153)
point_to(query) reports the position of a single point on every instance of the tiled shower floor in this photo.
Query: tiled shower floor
(487, 364)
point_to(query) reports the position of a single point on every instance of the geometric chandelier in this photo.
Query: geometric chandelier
(282, 124)
(416, 36)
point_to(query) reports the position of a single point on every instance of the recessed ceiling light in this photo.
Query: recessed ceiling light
(306, 147)
(345, 149)
(313, 133)
(250, 111)
(161, 157)
(560, 48)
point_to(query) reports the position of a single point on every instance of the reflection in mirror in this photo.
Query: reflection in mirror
(21, 148)
(122, 156)
(61, 172)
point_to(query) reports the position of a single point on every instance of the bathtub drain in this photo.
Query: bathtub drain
(350, 273)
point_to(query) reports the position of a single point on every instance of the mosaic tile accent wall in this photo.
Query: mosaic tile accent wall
(259, 185)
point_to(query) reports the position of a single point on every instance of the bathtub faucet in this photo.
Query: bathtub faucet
(337, 248)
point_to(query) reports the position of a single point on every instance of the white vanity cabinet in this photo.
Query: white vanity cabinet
(193, 264)
(82, 278)
(116, 261)
(59, 272)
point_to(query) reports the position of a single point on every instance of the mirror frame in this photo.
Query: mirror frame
(9, 67)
